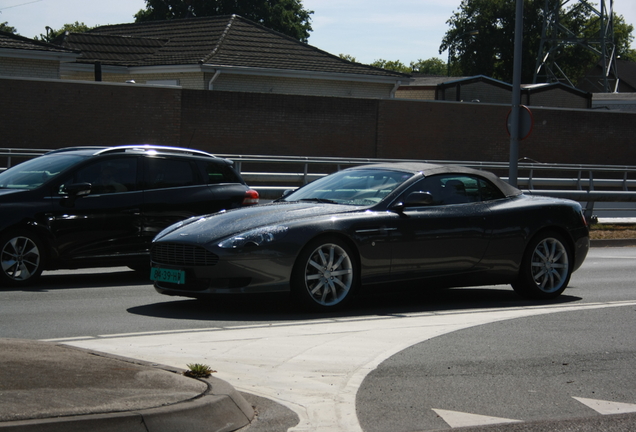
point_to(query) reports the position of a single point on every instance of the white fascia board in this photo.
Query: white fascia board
(38, 55)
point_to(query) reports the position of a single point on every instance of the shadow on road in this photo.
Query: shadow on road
(86, 278)
(278, 307)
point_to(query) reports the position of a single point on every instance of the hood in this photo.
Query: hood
(218, 226)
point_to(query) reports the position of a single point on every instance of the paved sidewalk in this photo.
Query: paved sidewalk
(48, 387)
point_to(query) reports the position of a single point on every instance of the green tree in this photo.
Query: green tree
(347, 57)
(396, 65)
(5, 27)
(51, 34)
(432, 66)
(285, 16)
(480, 38)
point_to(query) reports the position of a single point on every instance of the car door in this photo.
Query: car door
(447, 236)
(105, 224)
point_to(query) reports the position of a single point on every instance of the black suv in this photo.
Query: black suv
(98, 207)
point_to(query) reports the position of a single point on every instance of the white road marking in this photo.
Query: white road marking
(607, 407)
(313, 367)
(460, 419)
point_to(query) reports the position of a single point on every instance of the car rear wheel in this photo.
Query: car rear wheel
(21, 258)
(324, 276)
(546, 267)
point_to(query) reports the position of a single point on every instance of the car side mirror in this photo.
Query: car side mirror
(415, 199)
(78, 189)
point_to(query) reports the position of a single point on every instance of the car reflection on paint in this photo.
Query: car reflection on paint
(375, 224)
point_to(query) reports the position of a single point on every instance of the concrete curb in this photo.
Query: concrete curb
(612, 243)
(210, 412)
(113, 382)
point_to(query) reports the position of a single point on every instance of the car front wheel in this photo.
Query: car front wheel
(324, 276)
(546, 267)
(21, 258)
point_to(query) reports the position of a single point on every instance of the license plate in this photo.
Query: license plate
(167, 275)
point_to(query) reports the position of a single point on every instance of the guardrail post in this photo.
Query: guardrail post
(305, 174)
(589, 211)
(591, 185)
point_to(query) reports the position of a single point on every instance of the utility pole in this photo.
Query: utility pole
(516, 96)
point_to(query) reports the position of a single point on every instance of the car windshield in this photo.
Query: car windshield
(35, 172)
(363, 187)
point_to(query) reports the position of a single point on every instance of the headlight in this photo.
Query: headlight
(255, 237)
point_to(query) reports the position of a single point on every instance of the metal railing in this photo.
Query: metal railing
(586, 183)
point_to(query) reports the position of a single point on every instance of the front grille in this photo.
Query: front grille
(182, 255)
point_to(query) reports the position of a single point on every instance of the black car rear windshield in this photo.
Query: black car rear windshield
(363, 187)
(35, 172)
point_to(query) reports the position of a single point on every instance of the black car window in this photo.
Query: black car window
(169, 173)
(34, 172)
(489, 191)
(107, 176)
(217, 173)
(456, 189)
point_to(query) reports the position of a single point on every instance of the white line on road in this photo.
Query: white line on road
(313, 367)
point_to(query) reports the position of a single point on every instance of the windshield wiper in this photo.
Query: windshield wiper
(319, 200)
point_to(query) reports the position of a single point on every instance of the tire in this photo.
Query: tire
(325, 275)
(21, 258)
(546, 267)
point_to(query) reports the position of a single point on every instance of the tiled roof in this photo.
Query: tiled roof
(215, 41)
(113, 50)
(12, 41)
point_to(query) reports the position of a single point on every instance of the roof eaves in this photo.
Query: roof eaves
(292, 73)
(476, 78)
(62, 57)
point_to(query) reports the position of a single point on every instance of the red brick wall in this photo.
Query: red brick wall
(53, 114)
(258, 123)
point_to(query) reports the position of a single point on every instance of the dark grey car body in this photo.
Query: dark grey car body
(482, 241)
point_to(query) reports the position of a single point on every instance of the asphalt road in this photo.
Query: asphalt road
(407, 361)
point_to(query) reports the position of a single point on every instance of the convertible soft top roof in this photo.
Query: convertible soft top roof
(428, 169)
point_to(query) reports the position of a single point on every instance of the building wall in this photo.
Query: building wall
(557, 97)
(476, 91)
(249, 83)
(406, 92)
(298, 86)
(53, 114)
(27, 68)
(186, 80)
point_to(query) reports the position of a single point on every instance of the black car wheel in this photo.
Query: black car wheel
(21, 258)
(546, 267)
(324, 276)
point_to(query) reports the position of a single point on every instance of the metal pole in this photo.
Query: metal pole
(516, 96)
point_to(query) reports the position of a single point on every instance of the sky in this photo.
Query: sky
(368, 30)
